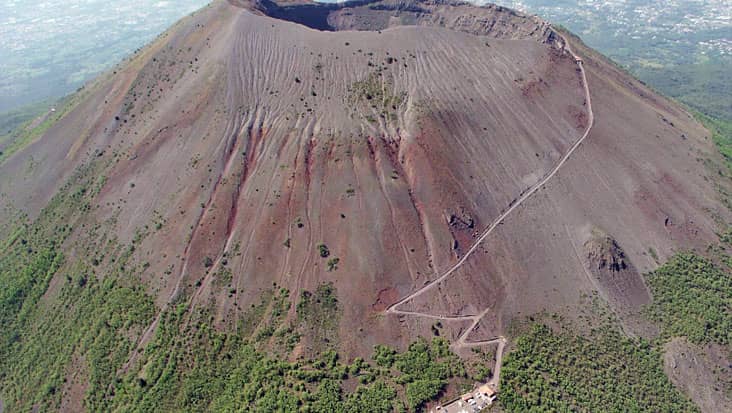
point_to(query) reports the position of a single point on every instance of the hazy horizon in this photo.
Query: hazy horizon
(50, 48)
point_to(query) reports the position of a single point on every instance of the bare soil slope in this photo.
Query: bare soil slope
(391, 132)
(703, 373)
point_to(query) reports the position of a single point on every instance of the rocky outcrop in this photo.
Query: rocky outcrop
(617, 278)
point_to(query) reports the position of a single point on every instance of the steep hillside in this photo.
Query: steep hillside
(291, 171)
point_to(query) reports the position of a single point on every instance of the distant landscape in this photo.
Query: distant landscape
(50, 48)
(681, 47)
(47, 50)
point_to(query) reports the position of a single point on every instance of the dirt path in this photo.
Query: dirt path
(494, 381)
(462, 341)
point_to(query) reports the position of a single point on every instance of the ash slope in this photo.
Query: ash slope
(393, 136)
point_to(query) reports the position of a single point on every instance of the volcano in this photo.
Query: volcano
(427, 161)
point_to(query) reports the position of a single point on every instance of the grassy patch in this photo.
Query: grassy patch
(318, 314)
(333, 263)
(721, 134)
(26, 133)
(12, 119)
(223, 277)
(377, 93)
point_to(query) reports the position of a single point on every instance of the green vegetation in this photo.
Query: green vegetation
(479, 369)
(223, 276)
(30, 130)
(85, 320)
(555, 369)
(193, 367)
(90, 323)
(323, 250)
(608, 372)
(208, 262)
(333, 263)
(252, 318)
(425, 368)
(278, 306)
(12, 119)
(680, 54)
(721, 134)
(692, 297)
(652, 252)
(376, 92)
(378, 398)
(704, 85)
(197, 368)
(318, 315)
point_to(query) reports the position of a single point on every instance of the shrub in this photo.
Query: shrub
(384, 356)
(333, 264)
(323, 250)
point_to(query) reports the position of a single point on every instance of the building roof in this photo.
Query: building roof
(487, 390)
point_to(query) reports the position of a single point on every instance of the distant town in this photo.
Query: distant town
(673, 25)
(682, 48)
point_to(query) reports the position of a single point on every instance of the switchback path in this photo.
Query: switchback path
(462, 341)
